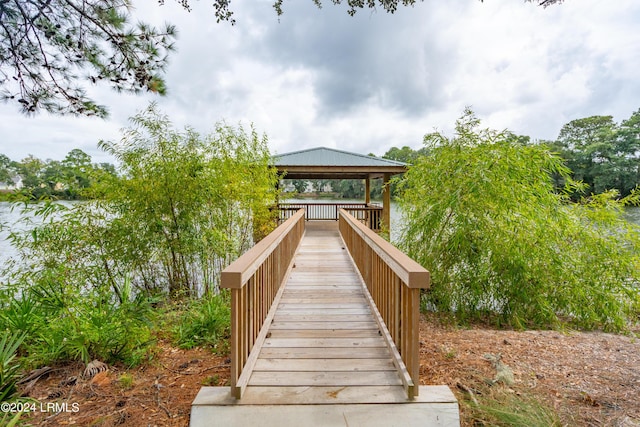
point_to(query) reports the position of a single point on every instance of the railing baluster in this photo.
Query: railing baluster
(254, 280)
(394, 282)
(368, 215)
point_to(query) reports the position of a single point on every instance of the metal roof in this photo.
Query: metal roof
(323, 156)
(330, 163)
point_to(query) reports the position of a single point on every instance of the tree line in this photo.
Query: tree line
(71, 178)
(601, 155)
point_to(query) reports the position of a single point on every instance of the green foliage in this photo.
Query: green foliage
(9, 419)
(205, 322)
(9, 368)
(88, 275)
(483, 216)
(60, 320)
(73, 178)
(125, 381)
(186, 203)
(601, 153)
(350, 188)
(5, 169)
(43, 50)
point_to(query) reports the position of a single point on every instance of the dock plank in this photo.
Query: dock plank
(312, 379)
(322, 365)
(325, 342)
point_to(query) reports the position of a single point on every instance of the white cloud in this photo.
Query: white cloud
(319, 77)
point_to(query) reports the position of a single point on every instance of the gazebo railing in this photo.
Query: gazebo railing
(368, 214)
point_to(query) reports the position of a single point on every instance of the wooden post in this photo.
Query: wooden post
(386, 203)
(367, 191)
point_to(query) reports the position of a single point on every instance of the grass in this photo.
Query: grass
(501, 406)
(126, 381)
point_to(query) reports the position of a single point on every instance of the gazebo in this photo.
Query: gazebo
(329, 163)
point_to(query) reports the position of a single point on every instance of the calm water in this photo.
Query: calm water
(10, 220)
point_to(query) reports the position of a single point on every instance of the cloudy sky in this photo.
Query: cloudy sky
(318, 77)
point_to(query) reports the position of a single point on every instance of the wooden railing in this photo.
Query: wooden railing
(370, 215)
(255, 281)
(394, 281)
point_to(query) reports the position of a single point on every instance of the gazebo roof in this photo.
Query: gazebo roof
(329, 163)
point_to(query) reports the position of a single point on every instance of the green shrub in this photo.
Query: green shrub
(206, 322)
(9, 367)
(60, 323)
(482, 214)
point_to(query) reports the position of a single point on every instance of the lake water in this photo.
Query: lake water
(9, 219)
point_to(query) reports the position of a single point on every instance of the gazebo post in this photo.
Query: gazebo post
(386, 202)
(329, 163)
(367, 191)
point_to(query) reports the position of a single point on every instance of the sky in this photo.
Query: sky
(319, 77)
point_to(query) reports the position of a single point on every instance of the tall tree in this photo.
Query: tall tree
(628, 152)
(5, 164)
(48, 46)
(31, 170)
(77, 172)
(601, 153)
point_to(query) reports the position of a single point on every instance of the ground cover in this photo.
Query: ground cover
(573, 378)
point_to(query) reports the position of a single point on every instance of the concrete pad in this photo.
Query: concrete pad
(214, 407)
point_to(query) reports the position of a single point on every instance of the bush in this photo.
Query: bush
(61, 323)
(9, 368)
(206, 322)
(482, 215)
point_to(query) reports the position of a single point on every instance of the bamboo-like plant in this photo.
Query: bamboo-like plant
(482, 214)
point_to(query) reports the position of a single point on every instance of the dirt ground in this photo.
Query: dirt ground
(590, 379)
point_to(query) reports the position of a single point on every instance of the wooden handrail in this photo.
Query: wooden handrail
(255, 281)
(394, 281)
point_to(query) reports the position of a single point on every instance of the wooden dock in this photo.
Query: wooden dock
(324, 354)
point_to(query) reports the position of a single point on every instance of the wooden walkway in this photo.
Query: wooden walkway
(324, 333)
(325, 360)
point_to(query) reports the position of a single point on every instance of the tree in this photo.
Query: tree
(53, 175)
(405, 154)
(31, 170)
(350, 188)
(601, 153)
(5, 171)
(44, 45)
(77, 172)
(628, 153)
(482, 214)
(389, 6)
(299, 184)
(186, 202)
